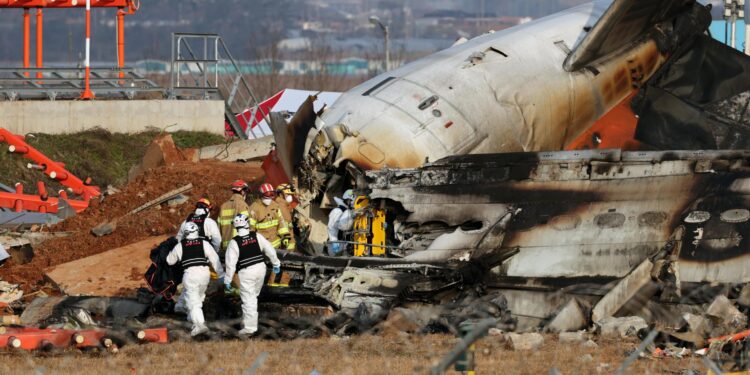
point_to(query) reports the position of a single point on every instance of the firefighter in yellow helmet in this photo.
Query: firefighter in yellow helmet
(266, 218)
(285, 198)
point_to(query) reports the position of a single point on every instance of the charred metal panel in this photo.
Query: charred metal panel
(716, 243)
(501, 92)
(599, 221)
(698, 100)
(614, 171)
(532, 308)
(290, 138)
(623, 23)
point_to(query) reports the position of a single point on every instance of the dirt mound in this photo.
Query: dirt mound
(105, 157)
(210, 179)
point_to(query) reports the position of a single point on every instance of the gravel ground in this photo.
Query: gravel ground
(367, 354)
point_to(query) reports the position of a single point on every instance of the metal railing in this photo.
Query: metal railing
(203, 68)
(67, 83)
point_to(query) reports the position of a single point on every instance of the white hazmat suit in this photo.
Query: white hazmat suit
(339, 220)
(251, 278)
(210, 228)
(212, 234)
(195, 280)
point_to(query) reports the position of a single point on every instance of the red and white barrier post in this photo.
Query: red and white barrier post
(87, 94)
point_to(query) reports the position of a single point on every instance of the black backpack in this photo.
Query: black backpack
(162, 278)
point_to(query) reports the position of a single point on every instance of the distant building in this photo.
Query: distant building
(452, 24)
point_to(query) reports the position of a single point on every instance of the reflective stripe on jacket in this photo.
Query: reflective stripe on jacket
(235, 205)
(268, 221)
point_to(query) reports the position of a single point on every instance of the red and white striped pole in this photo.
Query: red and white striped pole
(87, 94)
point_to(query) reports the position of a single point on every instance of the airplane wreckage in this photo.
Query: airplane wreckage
(495, 167)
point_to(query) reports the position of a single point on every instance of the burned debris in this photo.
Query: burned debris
(451, 224)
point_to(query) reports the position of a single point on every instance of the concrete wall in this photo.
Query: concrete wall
(117, 116)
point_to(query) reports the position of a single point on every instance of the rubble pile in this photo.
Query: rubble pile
(209, 179)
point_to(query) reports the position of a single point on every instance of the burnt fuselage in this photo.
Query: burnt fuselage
(576, 214)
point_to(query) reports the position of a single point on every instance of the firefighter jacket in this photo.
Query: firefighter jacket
(268, 221)
(286, 213)
(235, 205)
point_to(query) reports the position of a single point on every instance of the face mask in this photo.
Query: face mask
(289, 198)
(200, 211)
(266, 201)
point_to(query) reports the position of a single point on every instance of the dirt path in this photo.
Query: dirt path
(210, 179)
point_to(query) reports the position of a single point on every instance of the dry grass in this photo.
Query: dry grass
(392, 354)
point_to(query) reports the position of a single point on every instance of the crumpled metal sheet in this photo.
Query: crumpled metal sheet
(624, 22)
(291, 137)
(698, 101)
(597, 220)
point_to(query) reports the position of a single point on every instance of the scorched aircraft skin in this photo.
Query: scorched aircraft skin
(530, 89)
(520, 89)
(463, 151)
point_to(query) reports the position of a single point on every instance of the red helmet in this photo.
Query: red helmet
(239, 186)
(267, 190)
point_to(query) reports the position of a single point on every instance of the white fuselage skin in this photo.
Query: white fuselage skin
(501, 92)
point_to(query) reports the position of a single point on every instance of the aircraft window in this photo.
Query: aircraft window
(609, 220)
(565, 222)
(379, 85)
(739, 215)
(652, 219)
(697, 217)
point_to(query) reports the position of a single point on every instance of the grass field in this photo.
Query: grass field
(105, 157)
(390, 354)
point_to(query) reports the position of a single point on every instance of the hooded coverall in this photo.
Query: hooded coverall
(245, 252)
(196, 274)
(209, 231)
(339, 220)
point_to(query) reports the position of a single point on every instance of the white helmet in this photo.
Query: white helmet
(240, 221)
(190, 227)
(348, 195)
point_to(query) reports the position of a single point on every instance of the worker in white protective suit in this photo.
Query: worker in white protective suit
(340, 220)
(245, 255)
(195, 254)
(208, 229)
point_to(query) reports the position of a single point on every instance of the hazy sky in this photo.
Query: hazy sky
(243, 23)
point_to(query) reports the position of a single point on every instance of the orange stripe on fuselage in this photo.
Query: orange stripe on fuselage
(616, 129)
